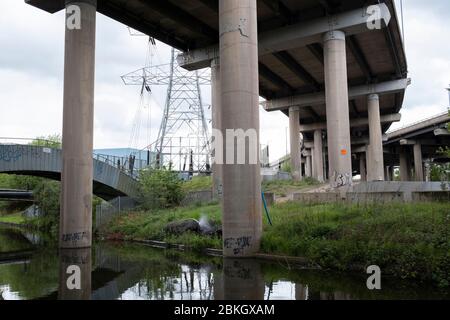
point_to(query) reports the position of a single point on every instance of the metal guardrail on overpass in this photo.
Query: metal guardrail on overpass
(44, 160)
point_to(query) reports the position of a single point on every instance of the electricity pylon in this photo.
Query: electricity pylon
(183, 133)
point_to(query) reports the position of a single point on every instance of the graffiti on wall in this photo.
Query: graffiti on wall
(238, 245)
(11, 153)
(341, 179)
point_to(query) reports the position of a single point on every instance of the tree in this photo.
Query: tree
(160, 188)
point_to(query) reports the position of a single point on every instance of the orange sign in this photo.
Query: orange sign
(344, 152)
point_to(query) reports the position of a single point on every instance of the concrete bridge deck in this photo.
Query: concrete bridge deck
(109, 182)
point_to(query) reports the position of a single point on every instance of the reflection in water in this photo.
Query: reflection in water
(241, 280)
(75, 269)
(119, 271)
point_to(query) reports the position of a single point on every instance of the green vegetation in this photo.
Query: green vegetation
(160, 189)
(150, 226)
(405, 240)
(284, 187)
(198, 183)
(286, 167)
(16, 218)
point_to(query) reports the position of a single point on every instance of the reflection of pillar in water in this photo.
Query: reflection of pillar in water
(301, 292)
(75, 274)
(242, 280)
(218, 285)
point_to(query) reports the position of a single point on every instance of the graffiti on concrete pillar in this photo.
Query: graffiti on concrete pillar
(341, 179)
(74, 237)
(237, 244)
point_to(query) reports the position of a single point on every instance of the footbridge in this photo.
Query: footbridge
(109, 181)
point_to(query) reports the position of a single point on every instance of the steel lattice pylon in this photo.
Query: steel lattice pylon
(183, 134)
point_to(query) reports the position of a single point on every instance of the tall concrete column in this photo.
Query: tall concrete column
(338, 118)
(318, 156)
(362, 167)
(217, 127)
(78, 119)
(387, 173)
(375, 152)
(418, 163)
(241, 208)
(294, 132)
(308, 165)
(404, 165)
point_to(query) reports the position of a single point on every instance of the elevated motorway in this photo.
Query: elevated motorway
(414, 147)
(325, 63)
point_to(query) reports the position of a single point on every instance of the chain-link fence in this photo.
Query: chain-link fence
(106, 211)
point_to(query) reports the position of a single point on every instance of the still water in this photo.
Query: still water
(32, 268)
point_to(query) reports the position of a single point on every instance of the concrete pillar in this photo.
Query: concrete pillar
(387, 173)
(418, 163)
(216, 125)
(294, 132)
(362, 167)
(404, 165)
(75, 268)
(301, 292)
(308, 166)
(241, 208)
(375, 161)
(318, 157)
(78, 119)
(338, 118)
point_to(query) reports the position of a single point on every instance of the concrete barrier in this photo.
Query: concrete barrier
(317, 198)
(431, 196)
(374, 197)
(270, 198)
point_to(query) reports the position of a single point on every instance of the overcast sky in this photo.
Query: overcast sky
(31, 75)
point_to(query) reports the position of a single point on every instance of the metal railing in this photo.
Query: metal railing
(106, 211)
(123, 164)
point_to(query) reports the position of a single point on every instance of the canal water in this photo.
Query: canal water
(31, 268)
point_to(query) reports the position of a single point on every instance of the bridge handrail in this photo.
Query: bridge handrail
(51, 144)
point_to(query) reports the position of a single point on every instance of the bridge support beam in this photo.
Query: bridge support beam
(294, 132)
(338, 117)
(318, 157)
(78, 115)
(217, 128)
(362, 167)
(418, 162)
(308, 165)
(375, 149)
(241, 208)
(404, 165)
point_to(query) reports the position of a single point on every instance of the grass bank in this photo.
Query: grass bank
(16, 218)
(405, 240)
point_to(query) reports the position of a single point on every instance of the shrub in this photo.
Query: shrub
(160, 189)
